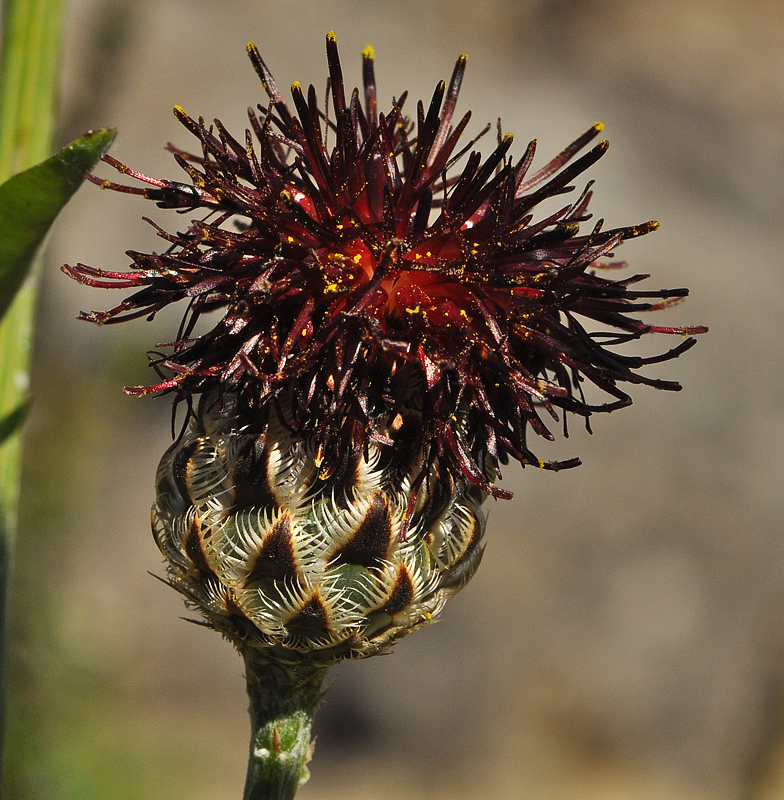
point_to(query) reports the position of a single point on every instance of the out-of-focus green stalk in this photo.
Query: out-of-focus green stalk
(28, 98)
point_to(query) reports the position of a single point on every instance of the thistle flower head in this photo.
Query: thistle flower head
(395, 313)
(366, 265)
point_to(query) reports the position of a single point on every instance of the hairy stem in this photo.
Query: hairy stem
(283, 700)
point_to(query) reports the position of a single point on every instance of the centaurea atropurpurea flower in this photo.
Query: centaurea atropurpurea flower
(395, 320)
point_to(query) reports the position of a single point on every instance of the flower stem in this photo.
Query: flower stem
(283, 700)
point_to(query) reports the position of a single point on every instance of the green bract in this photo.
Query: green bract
(284, 561)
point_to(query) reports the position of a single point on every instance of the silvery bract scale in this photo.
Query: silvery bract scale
(280, 558)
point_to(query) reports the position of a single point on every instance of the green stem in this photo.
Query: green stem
(283, 700)
(29, 79)
(28, 98)
(28, 82)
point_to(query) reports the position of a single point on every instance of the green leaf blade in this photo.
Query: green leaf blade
(31, 200)
(11, 422)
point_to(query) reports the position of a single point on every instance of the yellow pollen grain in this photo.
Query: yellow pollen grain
(358, 258)
(417, 256)
(369, 52)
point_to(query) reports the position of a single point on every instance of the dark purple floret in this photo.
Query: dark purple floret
(362, 274)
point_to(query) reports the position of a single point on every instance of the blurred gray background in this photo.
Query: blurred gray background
(624, 637)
